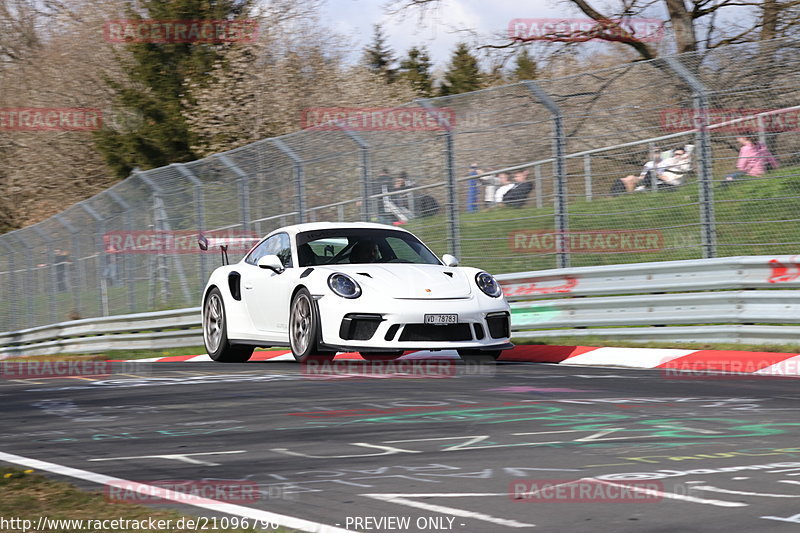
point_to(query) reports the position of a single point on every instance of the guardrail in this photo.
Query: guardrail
(751, 299)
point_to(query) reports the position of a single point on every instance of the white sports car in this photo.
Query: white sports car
(325, 287)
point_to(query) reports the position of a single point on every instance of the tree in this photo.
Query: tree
(525, 68)
(463, 75)
(159, 74)
(416, 68)
(378, 57)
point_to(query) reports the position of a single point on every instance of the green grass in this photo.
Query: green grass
(28, 496)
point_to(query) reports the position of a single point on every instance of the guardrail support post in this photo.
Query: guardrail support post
(363, 148)
(299, 178)
(12, 276)
(703, 154)
(452, 185)
(200, 212)
(559, 172)
(51, 265)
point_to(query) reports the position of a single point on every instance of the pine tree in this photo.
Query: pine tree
(159, 75)
(379, 58)
(416, 68)
(464, 74)
(525, 68)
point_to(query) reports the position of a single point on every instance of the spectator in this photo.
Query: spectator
(503, 187)
(472, 192)
(675, 167)
(518, 194)
(382, 184)
(652, 169)
(62, 263)
(754, 159)
(490, 184)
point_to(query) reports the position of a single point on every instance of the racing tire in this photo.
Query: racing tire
(215, 334)
(304, 329)
(479, 356)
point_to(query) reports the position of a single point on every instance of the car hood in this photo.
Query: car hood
(409, 282)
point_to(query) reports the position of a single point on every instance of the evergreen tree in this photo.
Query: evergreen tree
(463, 74)
(525, 68)
(159, 75)
(379, 57)
(416, 68)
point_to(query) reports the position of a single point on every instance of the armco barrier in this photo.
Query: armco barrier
(751, 299)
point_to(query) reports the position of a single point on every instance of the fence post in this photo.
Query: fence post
(77, 279)
(130, 282)
(452, 185)
(299, 179)
(703, 151)
(200, 211)
(587, 176)
(12, 277)
(363, 148)
(559, 172)
(51, 265)
(537, 176)
(28, 279)
(244, 189)
(102, 259)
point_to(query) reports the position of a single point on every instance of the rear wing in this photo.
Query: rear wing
(240, 243)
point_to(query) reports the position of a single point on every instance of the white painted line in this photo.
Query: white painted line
(148, 490)
(183, 457)
(403, 499)
(629, 357)
(682, 497)
(787, 367)
(743, 493)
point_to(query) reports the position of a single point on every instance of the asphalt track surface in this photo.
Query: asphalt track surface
(448, 448)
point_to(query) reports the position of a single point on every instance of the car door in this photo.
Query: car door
(265, 292)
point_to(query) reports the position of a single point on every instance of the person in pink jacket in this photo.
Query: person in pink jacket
(753, 159)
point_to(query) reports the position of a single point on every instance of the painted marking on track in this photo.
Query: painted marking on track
(404, 499)
(610, 464)
(142, 488)
(183, 457)
(711, 488)
(682, 497)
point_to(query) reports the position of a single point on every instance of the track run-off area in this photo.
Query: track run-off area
(427, 445)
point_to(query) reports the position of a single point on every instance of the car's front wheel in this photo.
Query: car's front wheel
(304, 329)
(215, 334)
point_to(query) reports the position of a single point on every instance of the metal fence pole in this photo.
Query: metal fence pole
(102, 260)
(127, 261)
(51, 265)
(244, 189)
(705, 171)
(27, 281)
(559, 172)
(452, 184)
(299, 179)
(363, 148)
(587, 176)
(77, 278)
(200, 211)
(13, 320)
(537, 177)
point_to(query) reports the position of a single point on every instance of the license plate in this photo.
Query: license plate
(441, 320)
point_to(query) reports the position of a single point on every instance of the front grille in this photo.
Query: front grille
(427, 332)
(498, 325)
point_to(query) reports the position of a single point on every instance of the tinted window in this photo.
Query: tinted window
(279, 245)
(359, 246)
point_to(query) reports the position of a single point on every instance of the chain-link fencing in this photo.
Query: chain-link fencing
(575, 171)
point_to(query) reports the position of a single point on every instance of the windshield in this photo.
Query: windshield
(360, 246)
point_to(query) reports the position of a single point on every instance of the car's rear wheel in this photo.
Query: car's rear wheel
(479, 356)
(215, 334)
(304, 329)
(381, 356)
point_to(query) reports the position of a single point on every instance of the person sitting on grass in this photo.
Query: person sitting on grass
(754, 159)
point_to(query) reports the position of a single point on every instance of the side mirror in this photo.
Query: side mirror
(271, 262)
(449, 260)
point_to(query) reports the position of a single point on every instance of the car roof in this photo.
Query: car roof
(315, 226)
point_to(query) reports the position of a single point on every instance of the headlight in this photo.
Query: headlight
(488, 285)
(344, 286)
